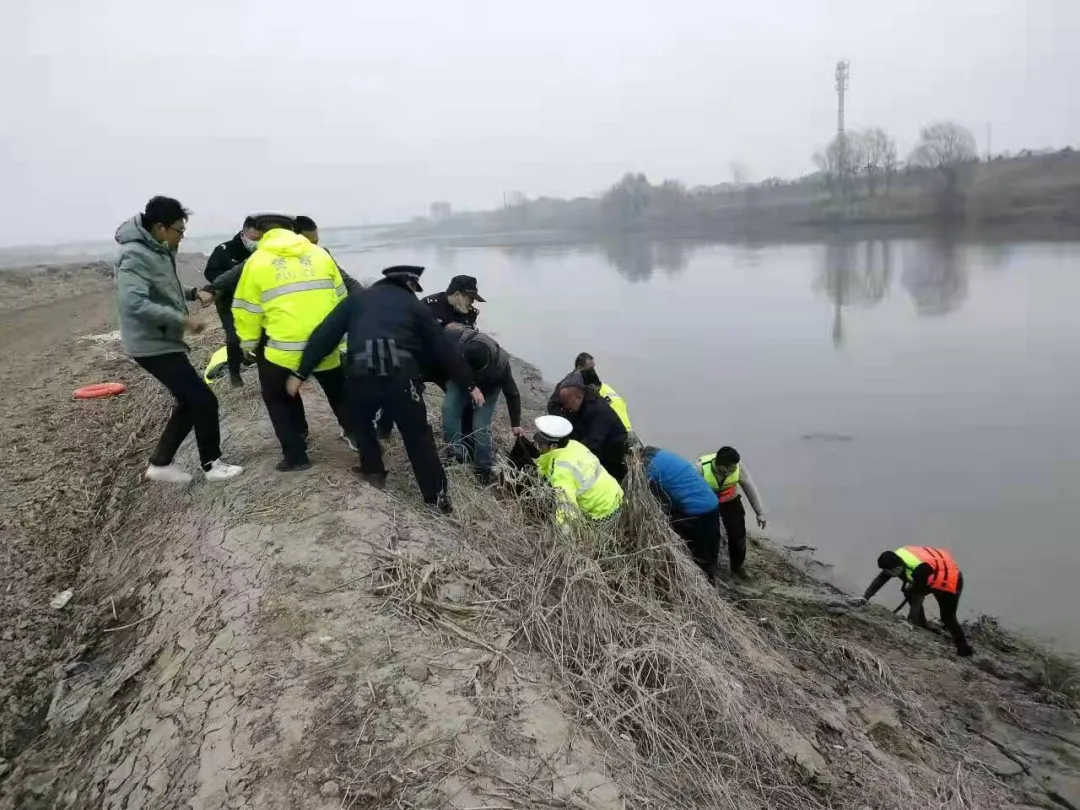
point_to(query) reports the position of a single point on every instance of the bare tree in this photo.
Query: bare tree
(876, 149)
(854, 158)
(839, 162)
(889, 163)
(946, 147)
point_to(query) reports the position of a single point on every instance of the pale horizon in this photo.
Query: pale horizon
(359, 113)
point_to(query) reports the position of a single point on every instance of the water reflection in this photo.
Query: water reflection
(850, 272)
(636, 258)
(853, 274)
(525, 254)
(445, 257)
(860, 273)
(935, 276)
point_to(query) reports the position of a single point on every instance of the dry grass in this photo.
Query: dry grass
(695, 701)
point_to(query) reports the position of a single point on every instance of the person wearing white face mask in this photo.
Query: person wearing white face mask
(227, 257)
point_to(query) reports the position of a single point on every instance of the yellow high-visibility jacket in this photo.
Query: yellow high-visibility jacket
(617, 403)
(287, 288)
(581, 483)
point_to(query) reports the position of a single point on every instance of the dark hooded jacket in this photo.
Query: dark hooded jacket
(490, 364)
(599, 428)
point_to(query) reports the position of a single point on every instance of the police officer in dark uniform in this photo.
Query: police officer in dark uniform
(392, 339)
(228, 256)
(453, 306)
(456, 304)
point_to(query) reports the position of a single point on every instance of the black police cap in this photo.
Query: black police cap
(407, 272)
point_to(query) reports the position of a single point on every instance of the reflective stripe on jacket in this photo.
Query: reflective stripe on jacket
(617, 403)
(582, 485)
(727, 491)
(286, 289)
(946, 575)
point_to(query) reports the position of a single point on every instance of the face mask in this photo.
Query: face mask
(460, 302)
(250, 244)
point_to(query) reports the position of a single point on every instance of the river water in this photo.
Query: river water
(882, 393)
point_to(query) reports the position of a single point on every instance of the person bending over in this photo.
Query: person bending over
(690, 503)
(596, 425)
(924, 570)
(490, 364)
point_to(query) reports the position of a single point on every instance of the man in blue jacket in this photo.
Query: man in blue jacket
(690, 502)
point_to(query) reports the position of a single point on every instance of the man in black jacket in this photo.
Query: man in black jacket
(490, 365)
(392, 337)
(596, 425)
(225, 257)
(456, 304)
(453, 306)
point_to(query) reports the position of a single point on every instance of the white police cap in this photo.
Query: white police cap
(553, 428)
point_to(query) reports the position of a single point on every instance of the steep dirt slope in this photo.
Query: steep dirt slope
(303, 641)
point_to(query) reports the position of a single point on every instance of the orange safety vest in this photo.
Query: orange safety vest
(946, 575)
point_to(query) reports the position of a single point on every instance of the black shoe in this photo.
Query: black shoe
(484, 478)
(384, 435)
(292, 466)
(443, 504)
(377, 480)
(235, 380)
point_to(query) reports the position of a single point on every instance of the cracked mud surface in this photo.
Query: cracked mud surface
(235, 646)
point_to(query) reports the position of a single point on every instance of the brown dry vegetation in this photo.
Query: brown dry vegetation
(307, 642)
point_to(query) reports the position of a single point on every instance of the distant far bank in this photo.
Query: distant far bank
(1032, 196)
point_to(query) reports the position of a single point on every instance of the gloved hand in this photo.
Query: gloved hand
(761, 521)
(964, 650)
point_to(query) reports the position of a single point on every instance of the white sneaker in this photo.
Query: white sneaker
(348, 440)
(220, 471)
(169, 473)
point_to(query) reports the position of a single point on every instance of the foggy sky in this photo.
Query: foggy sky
(367, 111)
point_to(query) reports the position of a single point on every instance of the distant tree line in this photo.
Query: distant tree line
(859, 178)
(861, 159)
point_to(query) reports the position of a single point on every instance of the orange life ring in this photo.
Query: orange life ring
(99, 390)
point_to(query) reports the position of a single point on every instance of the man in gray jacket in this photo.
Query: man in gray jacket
(153, 319)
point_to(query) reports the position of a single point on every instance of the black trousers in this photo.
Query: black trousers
(385, 425)
(948, 603)
(232, 342)
(734, 516)
(402, 401)
(196, 408)
(287, 413)
(702, 536)
(612, 457)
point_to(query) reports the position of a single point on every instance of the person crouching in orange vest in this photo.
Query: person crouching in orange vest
(924, 571)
